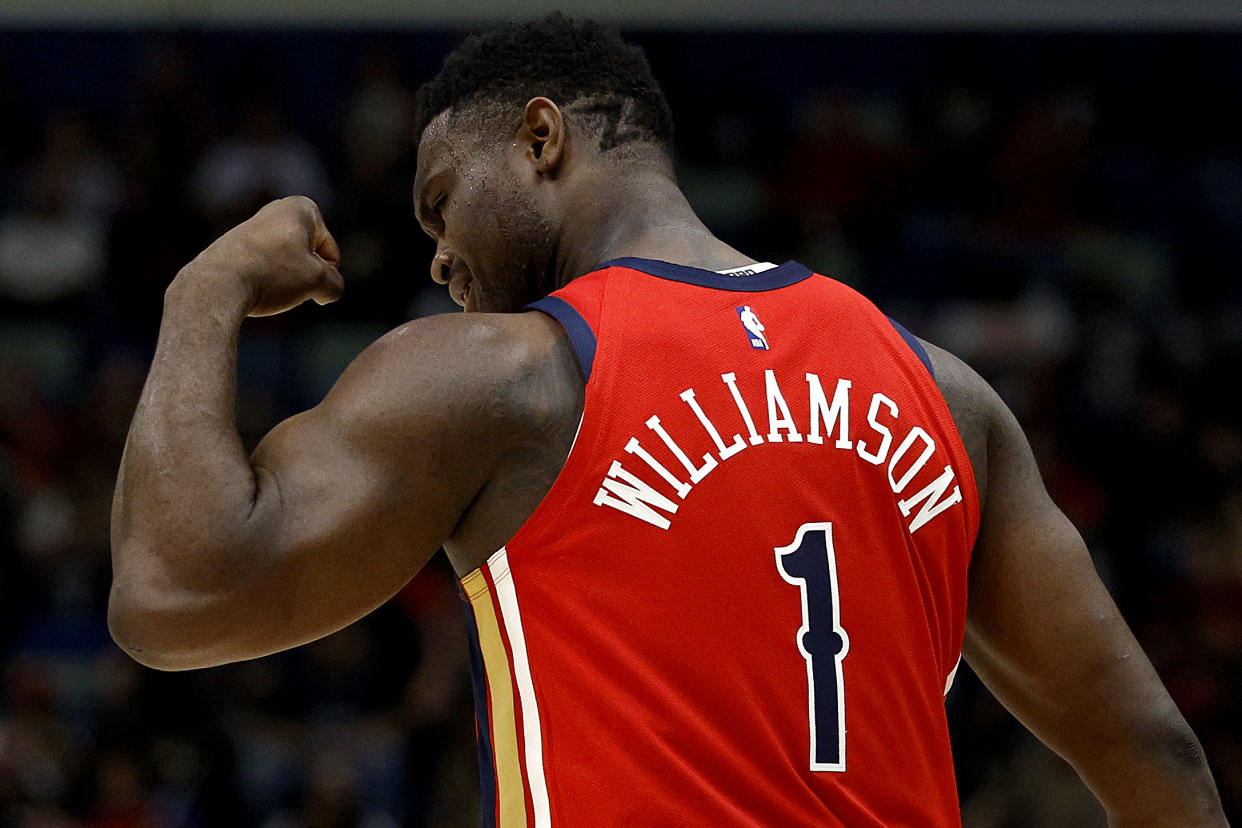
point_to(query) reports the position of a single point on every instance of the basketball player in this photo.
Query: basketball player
(724, 530)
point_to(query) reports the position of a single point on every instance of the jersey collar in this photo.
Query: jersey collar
(778, 277)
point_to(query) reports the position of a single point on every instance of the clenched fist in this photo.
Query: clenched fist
(275, 260)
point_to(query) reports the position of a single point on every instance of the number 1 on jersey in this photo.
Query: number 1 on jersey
(810, 564)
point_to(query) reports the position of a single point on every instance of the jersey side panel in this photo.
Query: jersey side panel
(501, 721)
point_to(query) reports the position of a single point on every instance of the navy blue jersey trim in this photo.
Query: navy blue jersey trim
(487, 759)
(580, 334)
(915, 345)
(778, 277)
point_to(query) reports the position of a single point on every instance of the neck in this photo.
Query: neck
(644, 214)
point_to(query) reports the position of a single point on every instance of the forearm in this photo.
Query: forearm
(1059, 655)
(1157, 776)
(1096, 700)
(186, 486)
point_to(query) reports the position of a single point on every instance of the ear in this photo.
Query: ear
(543, 135)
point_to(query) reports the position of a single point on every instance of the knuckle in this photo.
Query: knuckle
(303, 206)
(294, 232)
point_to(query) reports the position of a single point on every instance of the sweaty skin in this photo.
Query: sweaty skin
(449, 430)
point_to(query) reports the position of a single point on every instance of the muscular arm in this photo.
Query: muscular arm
(1046, 638)
(218, 556)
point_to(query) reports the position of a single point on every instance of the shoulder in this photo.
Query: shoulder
(457, 373)
(467, 354)
(975, 406)
(484, 405)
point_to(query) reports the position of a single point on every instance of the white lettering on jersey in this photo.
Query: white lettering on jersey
(785, 420)
(725, 451)
(633, 447)
(931, 494)
(929, 447)
(730, 380)
(828, 423)
(878, 458)
(696, 473)
(839, 412)
(636, 499)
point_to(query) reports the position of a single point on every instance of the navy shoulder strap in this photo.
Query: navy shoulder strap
(915, 345)
(580, 334)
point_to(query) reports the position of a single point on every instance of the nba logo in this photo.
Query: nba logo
(754, 328)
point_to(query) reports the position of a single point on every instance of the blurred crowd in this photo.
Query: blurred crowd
(1062, 211)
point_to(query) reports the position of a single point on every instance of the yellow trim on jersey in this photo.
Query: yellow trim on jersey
(510, 789)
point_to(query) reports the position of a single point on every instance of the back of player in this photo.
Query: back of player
(744, 597)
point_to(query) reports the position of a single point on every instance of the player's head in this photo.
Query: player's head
(514, 114)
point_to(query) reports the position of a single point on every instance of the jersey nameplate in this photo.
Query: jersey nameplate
(649, 495)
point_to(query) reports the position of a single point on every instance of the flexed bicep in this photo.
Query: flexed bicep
(356, 494)
(340, 506)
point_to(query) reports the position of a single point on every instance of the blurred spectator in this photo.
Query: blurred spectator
(388, 251)
(261, 159)
(53, 243)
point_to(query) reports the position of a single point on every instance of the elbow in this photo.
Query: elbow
(1186, 752)
(156, 629)
(1175, 744)
(1185, 759)
(134, 629)
(126, 628)
(1180, 789)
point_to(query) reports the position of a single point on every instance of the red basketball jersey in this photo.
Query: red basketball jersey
(742, 600)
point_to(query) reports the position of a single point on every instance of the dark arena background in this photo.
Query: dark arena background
(1054, 195)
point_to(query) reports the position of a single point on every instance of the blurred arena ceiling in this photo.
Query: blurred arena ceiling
(663, 14)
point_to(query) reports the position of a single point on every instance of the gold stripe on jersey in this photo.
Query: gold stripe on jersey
(510, 790)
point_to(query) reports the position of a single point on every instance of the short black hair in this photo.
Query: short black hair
(586, 68)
